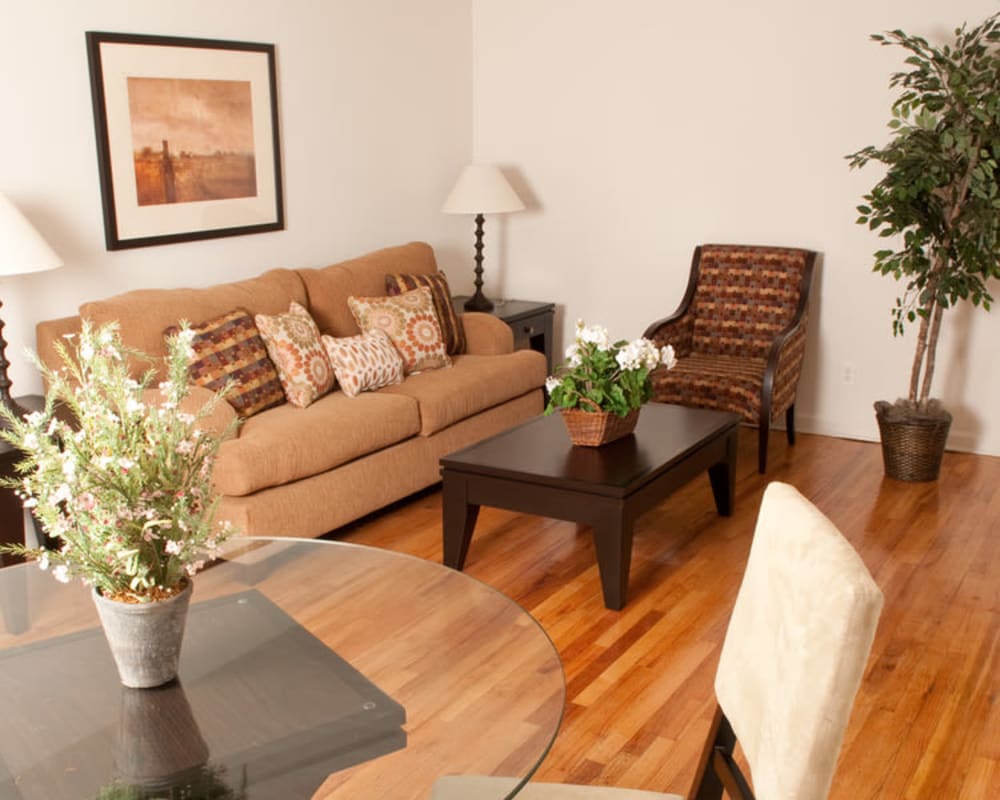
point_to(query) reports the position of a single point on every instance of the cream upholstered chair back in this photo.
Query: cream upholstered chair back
(796, 647)
(792, 660)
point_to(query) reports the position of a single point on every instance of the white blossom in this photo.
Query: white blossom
(593, 334)
(551, 383)
(62, 494)
(667, 357)
(638, 354)
(133, 406)
(61, 573)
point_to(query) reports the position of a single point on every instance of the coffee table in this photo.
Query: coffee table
(535, 469)
(309, 669)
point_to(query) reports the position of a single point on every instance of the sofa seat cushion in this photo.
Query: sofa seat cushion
(472, 384)
(286, 443)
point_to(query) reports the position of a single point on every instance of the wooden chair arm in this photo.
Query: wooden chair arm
(676, 330)
(784, 364)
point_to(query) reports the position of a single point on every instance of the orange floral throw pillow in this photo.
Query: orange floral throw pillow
(451, 326)
(365, 362)
(411, 324)
(293, 343)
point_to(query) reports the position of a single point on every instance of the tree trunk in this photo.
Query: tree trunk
(927, 337)
(932, 340)
(918, 356)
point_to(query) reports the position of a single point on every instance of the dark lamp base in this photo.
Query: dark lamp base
(478, 302)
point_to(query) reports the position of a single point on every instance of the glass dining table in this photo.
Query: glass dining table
(308, 669)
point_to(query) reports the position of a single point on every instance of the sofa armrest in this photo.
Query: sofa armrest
(486, 335)
(50, 332)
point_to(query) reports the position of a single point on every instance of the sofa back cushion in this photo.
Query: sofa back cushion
(328, 288)
(143, 314)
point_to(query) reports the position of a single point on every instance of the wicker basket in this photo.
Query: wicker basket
(594, 428)
(912, 448)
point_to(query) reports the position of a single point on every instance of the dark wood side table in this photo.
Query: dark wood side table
(530, 320)
(11, 510)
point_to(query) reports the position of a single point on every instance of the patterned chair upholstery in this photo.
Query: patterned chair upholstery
(739, 335)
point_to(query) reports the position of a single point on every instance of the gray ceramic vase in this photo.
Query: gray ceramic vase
(145, 638)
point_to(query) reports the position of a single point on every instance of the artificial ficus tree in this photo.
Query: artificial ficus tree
(940, 194)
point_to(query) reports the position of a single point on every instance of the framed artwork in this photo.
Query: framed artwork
(187, 138)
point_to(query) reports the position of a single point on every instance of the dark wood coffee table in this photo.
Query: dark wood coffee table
(533, 468)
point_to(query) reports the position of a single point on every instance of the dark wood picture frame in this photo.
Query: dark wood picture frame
(219, 104)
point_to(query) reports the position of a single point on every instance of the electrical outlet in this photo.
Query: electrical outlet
(848, 372)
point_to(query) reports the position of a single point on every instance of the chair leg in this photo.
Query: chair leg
(763, 431)
(718, 771)
(790, 423)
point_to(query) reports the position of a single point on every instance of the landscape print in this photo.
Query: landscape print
(192, 140)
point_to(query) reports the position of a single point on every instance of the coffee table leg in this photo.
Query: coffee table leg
(458, 520)
(723, 477)
(613, 543)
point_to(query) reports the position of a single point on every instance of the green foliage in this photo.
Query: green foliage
(125, 484)
(599, 375)
(939, 200)
(206, 782)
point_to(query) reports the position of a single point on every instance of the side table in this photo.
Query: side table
(11, 510)
(530, 320)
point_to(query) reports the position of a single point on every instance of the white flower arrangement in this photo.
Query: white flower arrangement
(608, 376)
(125, 485)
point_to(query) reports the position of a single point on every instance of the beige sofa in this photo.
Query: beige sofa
(303, 472)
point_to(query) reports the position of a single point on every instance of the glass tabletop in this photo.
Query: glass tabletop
(308, 669)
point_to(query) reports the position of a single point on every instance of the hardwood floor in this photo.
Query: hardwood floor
(926, 722)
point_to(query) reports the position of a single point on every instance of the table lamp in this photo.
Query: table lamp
(481, 189)
(22, 250)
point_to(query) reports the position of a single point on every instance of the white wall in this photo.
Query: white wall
(375, 121)
(640, 128)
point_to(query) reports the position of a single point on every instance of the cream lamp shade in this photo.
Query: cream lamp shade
(22, 250)
(481, 189)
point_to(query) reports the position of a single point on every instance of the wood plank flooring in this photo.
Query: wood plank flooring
(926, 722)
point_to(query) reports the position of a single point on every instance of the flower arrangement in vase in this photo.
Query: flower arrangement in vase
(118, 473)
(601, 385)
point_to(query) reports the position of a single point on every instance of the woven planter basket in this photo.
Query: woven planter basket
(912, 448)
(594, 428)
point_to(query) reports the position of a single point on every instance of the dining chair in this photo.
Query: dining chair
(792, 660)
(739, 335)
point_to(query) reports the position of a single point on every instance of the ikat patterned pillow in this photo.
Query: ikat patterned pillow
(230, 349)
(364, 362)
(411, 324)
(294, 345)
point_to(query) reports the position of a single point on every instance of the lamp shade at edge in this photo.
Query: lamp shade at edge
(22, 248)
